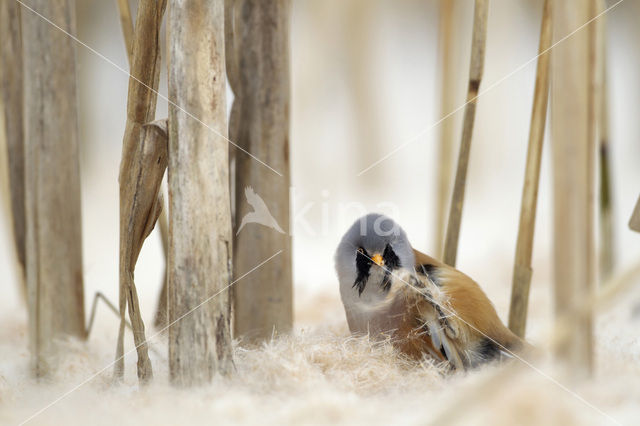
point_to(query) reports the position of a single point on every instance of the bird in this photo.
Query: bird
(425, 307)
(260, 213)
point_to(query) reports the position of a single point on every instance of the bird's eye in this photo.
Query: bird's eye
(360, 250)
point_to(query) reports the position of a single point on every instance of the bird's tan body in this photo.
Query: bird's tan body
(470, 302)
(470, 324)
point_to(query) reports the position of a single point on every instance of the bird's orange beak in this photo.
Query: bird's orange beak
(377, 259)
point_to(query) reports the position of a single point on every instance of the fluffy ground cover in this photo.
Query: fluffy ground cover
(320, 375)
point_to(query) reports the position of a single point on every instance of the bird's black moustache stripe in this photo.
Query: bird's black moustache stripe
(391, 261)
(363, 266)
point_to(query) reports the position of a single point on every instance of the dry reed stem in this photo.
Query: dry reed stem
(606, 252)
(12, 101)
(263, 301)
(573, 158)
(127, 30)
(522, 268)
(594, 95)
(141, 104)
(447, 42)
(141, 201)
(94, 307)
(475, 77)
(127, 27)
(52, 181)
(200, 221)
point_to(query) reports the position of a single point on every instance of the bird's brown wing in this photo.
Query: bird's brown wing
(467, 299)
(473, 322)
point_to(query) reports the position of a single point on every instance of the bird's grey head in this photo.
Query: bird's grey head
(373, 241)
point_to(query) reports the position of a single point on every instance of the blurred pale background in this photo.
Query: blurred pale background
(364, 81)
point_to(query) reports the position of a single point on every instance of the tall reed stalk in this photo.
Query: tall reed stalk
(475, 77)
(573, 134)
(522, 269)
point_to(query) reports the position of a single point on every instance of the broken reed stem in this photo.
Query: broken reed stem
(127, 26)
(94, 307)
(573, 157)
(524, 247)
(127, 30)
(12, 101)
(113, 308)
(52, 181)
(200, 221)
(606, 252)
(263, 301)
(142, 201)
(447, 130)
(475, 77)
(141, 105)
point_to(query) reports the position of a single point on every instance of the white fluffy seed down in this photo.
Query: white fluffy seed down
(319, 375)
